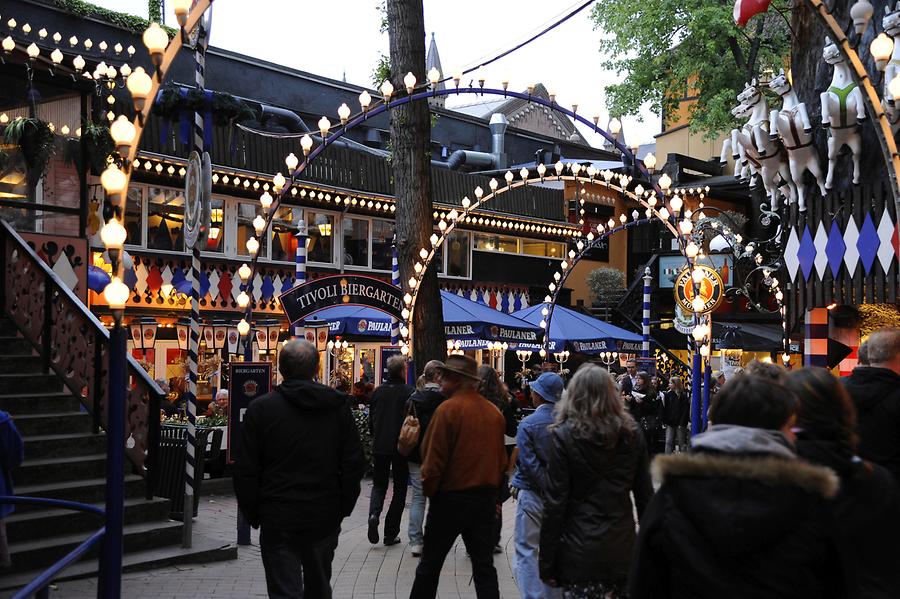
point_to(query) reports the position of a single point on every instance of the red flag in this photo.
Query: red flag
(744, 10)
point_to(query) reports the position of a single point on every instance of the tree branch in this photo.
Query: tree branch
(754, 48)
(737, 53)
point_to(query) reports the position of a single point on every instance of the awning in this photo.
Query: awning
(463, 319)
(581, 333)
(751, 336)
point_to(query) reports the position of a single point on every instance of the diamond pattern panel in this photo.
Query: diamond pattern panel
(213, 283)
(851, 254)
(834, 249)
(868, 243)
(791, 261)
(806, 253)
(821, 242)
(886, 248)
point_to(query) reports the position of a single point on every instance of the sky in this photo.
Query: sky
(335, 38)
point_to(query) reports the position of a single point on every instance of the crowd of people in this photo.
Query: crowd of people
(791, 491)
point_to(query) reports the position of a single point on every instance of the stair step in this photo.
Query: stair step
(11, 364)
(89, 490)
(15, 345)
(48, 446)
(39, 403)
(11, 384)
(54, 423)
(203, 550)
(34, 554)
(35, 472)
(40, 524)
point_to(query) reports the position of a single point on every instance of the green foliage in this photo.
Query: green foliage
(382, 70)
(661, 46)
(154, 11)
(99, 145)
(37, 142)
(606, 284)
(361, 417)
(225, 108)
(87, 10)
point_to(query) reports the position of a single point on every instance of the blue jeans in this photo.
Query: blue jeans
(416, 506)
(528, 537)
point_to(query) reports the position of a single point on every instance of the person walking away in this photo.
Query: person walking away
(424, 402)
(646, 408)
(464, 461)
(740, 516)
(867, 507)
(875, 390)
(387, 409)
(297, 475)
(493, 390)
(597, 461)
(530, 483)
(675, 415)
(12, 454)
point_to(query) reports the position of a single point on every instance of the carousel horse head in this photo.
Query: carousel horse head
(891, 20)
(831, 53)
(742, 111)
(780, 84)
(751, 95)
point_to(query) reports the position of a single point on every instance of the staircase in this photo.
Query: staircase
(54, 382)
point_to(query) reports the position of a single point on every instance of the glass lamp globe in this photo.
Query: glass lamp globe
(306, 144)
(182, 7)
(113, 180)
(113, 234)
(243, 327)
(410, 82)
(138, 83)
(156, 40)
(116, 293)
(122, 131)
(344, 113)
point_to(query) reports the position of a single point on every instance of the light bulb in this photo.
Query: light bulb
(324, 126)
(306, 144)
(33, 51)
(139, 84)
(410, 82)
(704, 350)
(698, 275)
(182, 7)
(434, 76)
(615, 126)
(291, 162)
(665, 182)
(116, 293)
(278, 182)
(156, 39)
(122, 131)
(881, 49)
(259, 224)
(691, 250)
(243, 328)
(698, 304)
(387, 89)
(686, 227)
(244, 272)
(650, 161)
(365, 99)
(243, 299)
(113, 180)
(113, 234)
(252, 246)
(343, 113)
(676, 204)
(265, 200)
(56, 56)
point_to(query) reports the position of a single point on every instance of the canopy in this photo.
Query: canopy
(463, 319)
(581, 333)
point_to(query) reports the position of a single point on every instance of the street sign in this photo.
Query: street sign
(246, 382)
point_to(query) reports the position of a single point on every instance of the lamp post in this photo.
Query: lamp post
(609, 358)
(454, 347)
(562, 357)
(524, 355)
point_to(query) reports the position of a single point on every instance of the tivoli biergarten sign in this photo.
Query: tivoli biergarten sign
(348, 290)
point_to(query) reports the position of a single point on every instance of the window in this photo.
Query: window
(245, 215)
(382, 240)
(457, 251)
(215, 240)
(165, 218)
(284, 244)
(134, 212)
(320, 244)
(356, 242)
(551, 249)
(496, 243)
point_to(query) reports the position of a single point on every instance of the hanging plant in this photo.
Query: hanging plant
(99, 145)
(36, 140)
(225, 108)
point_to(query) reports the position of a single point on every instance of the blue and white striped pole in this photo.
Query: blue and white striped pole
(395, 280)
(300, 264)
(645, 346)
(194, 345)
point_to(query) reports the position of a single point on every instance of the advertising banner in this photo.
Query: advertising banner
(246, 382)
(350, 290)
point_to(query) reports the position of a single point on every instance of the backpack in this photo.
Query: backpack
(409, 432)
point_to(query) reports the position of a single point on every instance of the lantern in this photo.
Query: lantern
(267, 335)
(233, 339)
(183, 333)
(215, 334)
(143, 332)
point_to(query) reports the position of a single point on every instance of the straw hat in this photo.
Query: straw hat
(463, 366)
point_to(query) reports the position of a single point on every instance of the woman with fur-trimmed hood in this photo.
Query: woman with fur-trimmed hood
(741, 516)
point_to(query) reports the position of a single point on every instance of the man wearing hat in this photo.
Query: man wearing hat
(530, 480)
(463, 464)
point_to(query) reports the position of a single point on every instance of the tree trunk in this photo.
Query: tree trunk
(411, 147)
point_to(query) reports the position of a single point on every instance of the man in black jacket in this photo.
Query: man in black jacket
(387, 410)
(875, 390)
(423, 402)
(297, 475)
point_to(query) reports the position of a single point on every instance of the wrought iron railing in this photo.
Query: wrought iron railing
(40, 585)
(74, 345)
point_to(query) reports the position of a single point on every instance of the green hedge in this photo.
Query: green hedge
(86, 10)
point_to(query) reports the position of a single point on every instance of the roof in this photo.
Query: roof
(433, 60)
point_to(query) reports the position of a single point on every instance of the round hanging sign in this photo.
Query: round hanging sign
(711, 289)
(192, 191)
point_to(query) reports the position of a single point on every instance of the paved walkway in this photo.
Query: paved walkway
(360, 569)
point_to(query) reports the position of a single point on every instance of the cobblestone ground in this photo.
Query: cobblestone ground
(360, 569)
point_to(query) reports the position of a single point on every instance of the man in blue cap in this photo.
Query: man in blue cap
(530, 482)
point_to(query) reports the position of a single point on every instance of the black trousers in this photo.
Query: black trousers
(385, 467)
(297, 568)
(467, 513)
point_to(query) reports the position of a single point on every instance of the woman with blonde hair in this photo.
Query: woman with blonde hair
(675, 415)
(598, 459)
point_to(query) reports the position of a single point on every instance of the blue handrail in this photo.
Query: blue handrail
(39, 585)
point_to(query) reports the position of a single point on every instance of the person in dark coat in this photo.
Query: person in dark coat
(740, 516)
(422, 403)
(867, 507)
(387, 410)
(297, 475)
(875, 390)
(646, 406)
(597, 461)
(12, 454)
(675, 414)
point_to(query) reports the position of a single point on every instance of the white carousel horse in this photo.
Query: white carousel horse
(742, 167)
(891, 25)
(842, 111)
(791, 124)
(754, 140)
